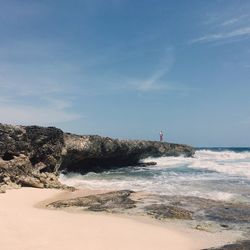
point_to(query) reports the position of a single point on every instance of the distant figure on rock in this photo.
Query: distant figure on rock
(161, 136)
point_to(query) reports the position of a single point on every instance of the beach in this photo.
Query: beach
(124, 125)
(26, 224)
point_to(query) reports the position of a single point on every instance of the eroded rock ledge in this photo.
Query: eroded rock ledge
(240, 245)
(225, 214)
(96, 153)
(32, 155)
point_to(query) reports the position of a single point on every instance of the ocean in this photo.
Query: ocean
(215, 173)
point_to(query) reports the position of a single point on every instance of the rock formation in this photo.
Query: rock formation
(29, 156)
(33, 156)
(240, 245)
(160, 207)
(109, 202)
(96, 153)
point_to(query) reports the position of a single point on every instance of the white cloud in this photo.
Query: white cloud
(149, 84)
(34, 86)
(34, 104)
(224, 25)
(26, 115)
(238, 33)
(231, 21)
(235, 20)
(153, 82)
(33, 97)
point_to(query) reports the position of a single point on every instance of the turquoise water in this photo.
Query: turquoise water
(218, 173)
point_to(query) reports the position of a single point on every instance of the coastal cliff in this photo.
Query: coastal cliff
(29, 156)
(33, 156)
(95, 153)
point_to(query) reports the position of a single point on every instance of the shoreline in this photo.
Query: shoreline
(27, 224)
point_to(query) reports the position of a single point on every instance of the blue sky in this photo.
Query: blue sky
(128, 69)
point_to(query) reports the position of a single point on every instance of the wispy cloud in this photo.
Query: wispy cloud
(233, 20)
(153, 82)
(238, 33)
(230, 24)
(26, 115)
(35, 87)
(34, 107)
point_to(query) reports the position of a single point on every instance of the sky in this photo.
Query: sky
(129, 69)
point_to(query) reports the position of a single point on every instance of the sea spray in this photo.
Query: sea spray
(222, 174)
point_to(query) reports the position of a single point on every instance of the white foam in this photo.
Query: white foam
(170, 161)
(160, 186)
(167, 176)
(223, 155)
(227, 162)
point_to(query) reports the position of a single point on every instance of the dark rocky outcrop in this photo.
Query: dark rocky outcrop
(162, 211)
(145, 164)
(241, 245)
(32, 155)
(43, 146)
(29, 156)
(120, 201)
(110, 202)
(201, 211)
(96, 153)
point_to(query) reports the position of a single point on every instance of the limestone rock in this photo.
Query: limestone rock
(32, 155)
(26, 153)
(95, 153)
(40, 145)
(161, 211)
(111, 201)
(240, 245)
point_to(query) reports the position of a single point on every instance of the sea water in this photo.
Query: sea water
(215, 173)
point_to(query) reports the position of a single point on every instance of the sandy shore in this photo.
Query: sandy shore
(24, 226)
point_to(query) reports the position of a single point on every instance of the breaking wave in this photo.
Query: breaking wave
(217, 174)
(228, 162)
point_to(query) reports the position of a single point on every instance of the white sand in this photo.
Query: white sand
(25, 227)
